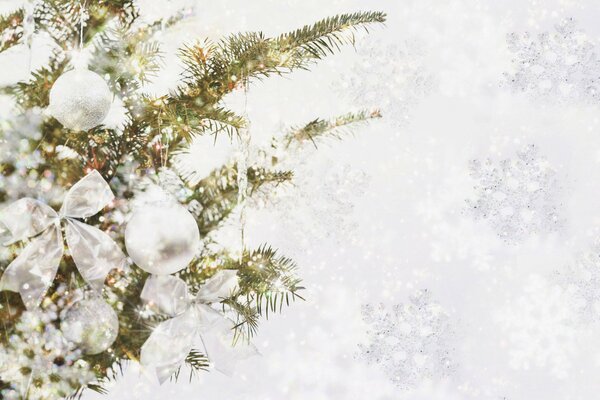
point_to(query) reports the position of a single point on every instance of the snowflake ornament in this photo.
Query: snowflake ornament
(411, 341)
(516, 196)
(315, 206)
(540, 327)
(392, 78)
(582, 280)
(561, 65)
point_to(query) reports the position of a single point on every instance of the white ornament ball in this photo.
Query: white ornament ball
(162, 238)
(80, 99)
(91, 324)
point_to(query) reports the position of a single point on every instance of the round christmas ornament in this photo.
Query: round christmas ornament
(91, 324)
(162, 238)
(80, 99)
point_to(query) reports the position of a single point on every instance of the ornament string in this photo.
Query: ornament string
(242, 171)
(81, 23)
(28, 31)
(163, 145)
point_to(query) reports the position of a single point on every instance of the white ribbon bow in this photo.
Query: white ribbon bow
(192, 318)
(93, 251)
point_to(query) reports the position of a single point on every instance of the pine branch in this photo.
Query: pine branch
(61, 18)
(328, 35)
(213, 70)
(247, 316)
(36, 91)
(335, 128)
(197, 362)
(11, 29)
(186, 118)
(268, 280)
(217, 194)
(130, 58)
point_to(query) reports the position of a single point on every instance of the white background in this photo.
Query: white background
(407, 228)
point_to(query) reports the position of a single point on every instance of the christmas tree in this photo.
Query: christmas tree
(77, 194)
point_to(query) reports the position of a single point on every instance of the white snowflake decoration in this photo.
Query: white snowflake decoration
(391, 78)
(411, 341)
(316, 205)
(582, 280)
(561, 65)
(540, 327)
(516, 196)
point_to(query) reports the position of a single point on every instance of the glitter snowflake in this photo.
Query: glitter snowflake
(582, 280)
(409, 341)
(561, 65)
(541, 327)
(517, 196)
(391, 78)
(316, 206)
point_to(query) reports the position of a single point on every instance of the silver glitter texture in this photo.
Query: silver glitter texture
(410, 342)
(80, 99)
(516, 196)
(391, 78)
(560, 66)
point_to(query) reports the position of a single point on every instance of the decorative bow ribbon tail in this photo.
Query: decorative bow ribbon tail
(93, 251)
(193, 324)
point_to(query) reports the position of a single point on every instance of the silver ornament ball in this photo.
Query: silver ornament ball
(162, 238)
(91, 324)
(80, 99)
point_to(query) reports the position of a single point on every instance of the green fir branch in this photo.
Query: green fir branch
(11, 29)
(246, 324)
(328, 35)
(267, 283)
(196, 362)
(35, 92)
(217, 194)
(214, 70)
(268, 280)
(336, 128)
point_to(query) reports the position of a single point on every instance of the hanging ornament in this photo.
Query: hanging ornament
(91, 324)
(162, 238)
(80, 99)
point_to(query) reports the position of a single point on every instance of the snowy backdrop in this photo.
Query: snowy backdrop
(450, 250)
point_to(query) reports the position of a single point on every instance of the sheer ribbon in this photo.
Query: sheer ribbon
(193, 323)
(93, 251)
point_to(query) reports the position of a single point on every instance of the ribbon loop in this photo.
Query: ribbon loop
(220, 286)
(194, 321)
(168, 293)
(26, 218)
(87, 197)
(32, 272)
(93, 251)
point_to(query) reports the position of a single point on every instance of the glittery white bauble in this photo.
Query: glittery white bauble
(80, 99)
(162, 238)
(91, 324)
